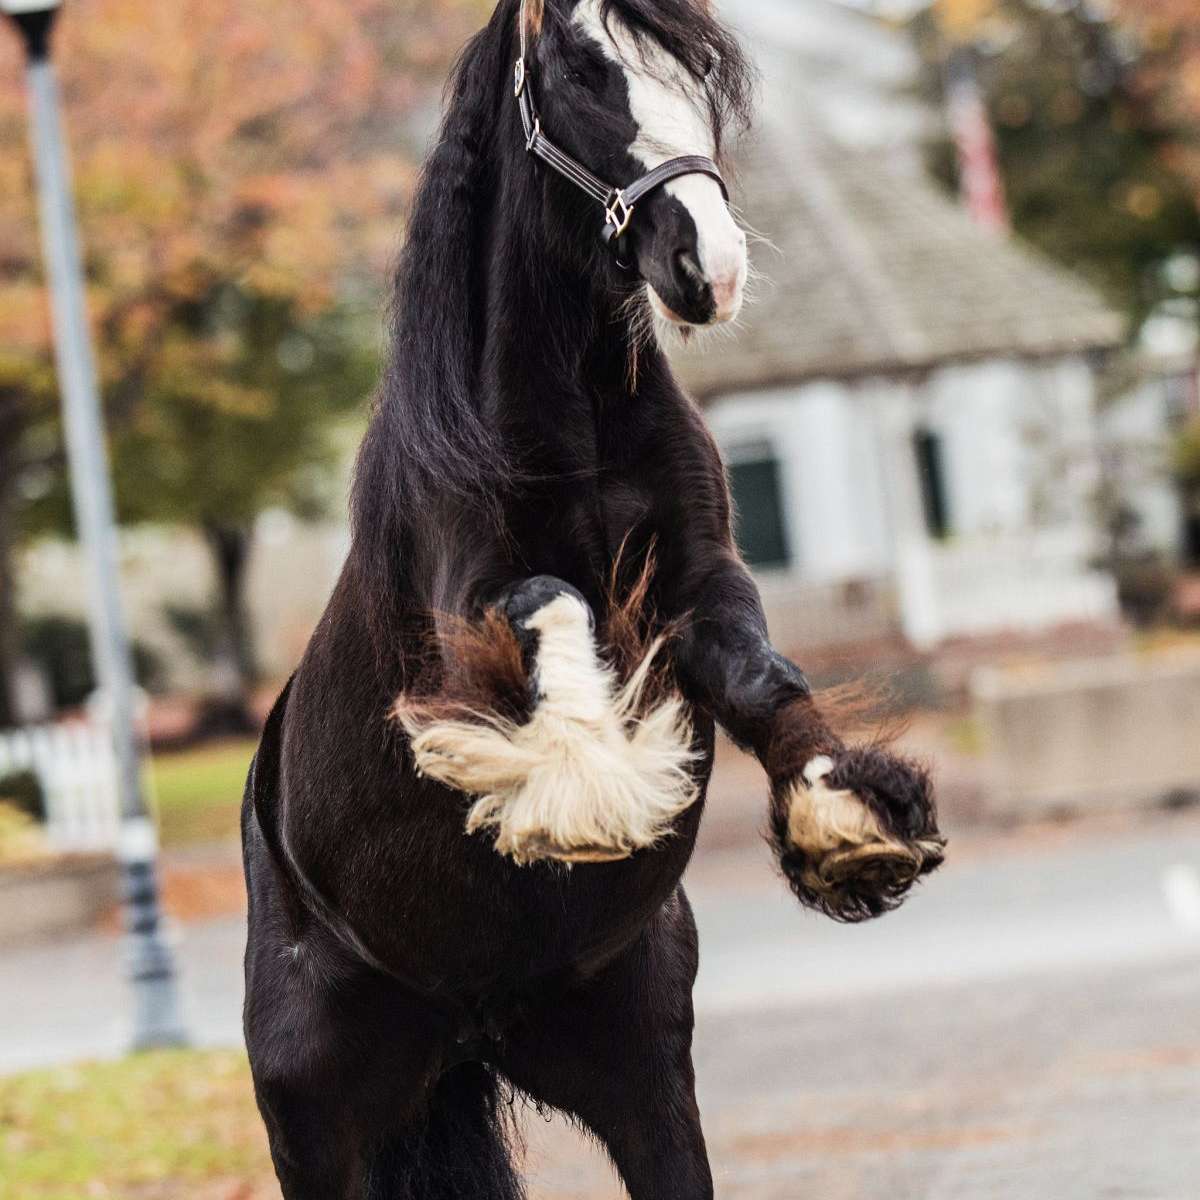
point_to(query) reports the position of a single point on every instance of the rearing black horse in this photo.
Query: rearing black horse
(536, 508)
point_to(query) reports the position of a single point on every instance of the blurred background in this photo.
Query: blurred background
(962, 424)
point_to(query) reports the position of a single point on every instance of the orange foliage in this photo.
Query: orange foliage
(1167, 34)
(215, 141)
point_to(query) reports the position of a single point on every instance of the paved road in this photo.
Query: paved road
(1027, 1026)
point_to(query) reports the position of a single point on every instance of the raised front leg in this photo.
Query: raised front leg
(853, 827)
(566, 759)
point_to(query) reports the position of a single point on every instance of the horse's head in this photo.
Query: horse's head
(626, 85)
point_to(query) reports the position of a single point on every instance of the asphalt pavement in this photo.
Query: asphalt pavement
(1026, 1028)
(1028, 1025)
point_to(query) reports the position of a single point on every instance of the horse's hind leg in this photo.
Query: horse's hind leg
(366, 1118)
(457, 1150)
(451, 1145)
(348, 1069)
(616, 1055)
(332, 1077)
(346, 1074)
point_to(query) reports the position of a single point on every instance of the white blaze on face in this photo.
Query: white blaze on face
(671, 112)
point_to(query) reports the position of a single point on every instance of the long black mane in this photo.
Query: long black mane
(434, 445)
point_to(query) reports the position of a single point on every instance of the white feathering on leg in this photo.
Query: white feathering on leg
(840, 835)
(583, 779)
(822, 819)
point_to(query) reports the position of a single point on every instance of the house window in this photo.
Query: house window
(1191, 532)
(759, 525)
(932, 473)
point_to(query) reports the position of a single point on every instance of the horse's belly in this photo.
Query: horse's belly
(497, 928)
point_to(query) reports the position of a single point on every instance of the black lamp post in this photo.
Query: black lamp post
(156, 1016)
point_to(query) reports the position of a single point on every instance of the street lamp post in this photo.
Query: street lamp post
(156, 1016)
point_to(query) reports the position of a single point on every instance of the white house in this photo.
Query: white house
(1138, 426)
(908, 411)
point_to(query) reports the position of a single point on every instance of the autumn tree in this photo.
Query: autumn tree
(1091, 166)
(240, 171)
(25, 407)
(1166, 38)
(1165, 35)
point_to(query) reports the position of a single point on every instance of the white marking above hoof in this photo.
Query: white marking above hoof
(841, 838)
(822, 819)
(584, 779)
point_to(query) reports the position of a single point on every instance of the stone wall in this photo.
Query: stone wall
(1102, 733)
(62, 897)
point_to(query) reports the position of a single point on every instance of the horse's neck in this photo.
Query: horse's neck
(559, 347)
(510, 362)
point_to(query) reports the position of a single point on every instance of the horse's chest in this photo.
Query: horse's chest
(576, 532)
(624, 506)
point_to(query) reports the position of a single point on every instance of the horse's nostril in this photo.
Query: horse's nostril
(688, 273)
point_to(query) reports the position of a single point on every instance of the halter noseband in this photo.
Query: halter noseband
(618, 203)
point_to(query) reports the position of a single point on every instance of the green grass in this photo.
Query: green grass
(174, 1125)
(199, 791)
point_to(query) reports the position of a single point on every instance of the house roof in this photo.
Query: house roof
(878, 271)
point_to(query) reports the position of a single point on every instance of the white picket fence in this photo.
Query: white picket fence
(76, 768)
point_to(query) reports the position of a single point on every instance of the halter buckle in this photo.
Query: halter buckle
(519, 77)
(617, 213)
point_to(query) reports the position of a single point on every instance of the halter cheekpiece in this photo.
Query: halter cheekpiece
(618, 203)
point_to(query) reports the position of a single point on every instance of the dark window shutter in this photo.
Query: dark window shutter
(758, 498)
(932, 471)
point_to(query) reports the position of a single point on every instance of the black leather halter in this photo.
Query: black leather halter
(618, 203)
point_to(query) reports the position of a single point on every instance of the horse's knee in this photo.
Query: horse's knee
(521, 602)
(599, 770)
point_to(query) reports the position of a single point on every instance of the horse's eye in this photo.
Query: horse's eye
(586, 69)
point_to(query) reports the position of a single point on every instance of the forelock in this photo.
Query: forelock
(689, 32)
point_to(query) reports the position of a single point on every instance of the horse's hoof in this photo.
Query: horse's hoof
(536, 849)
(848, 847)
(521, 604)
